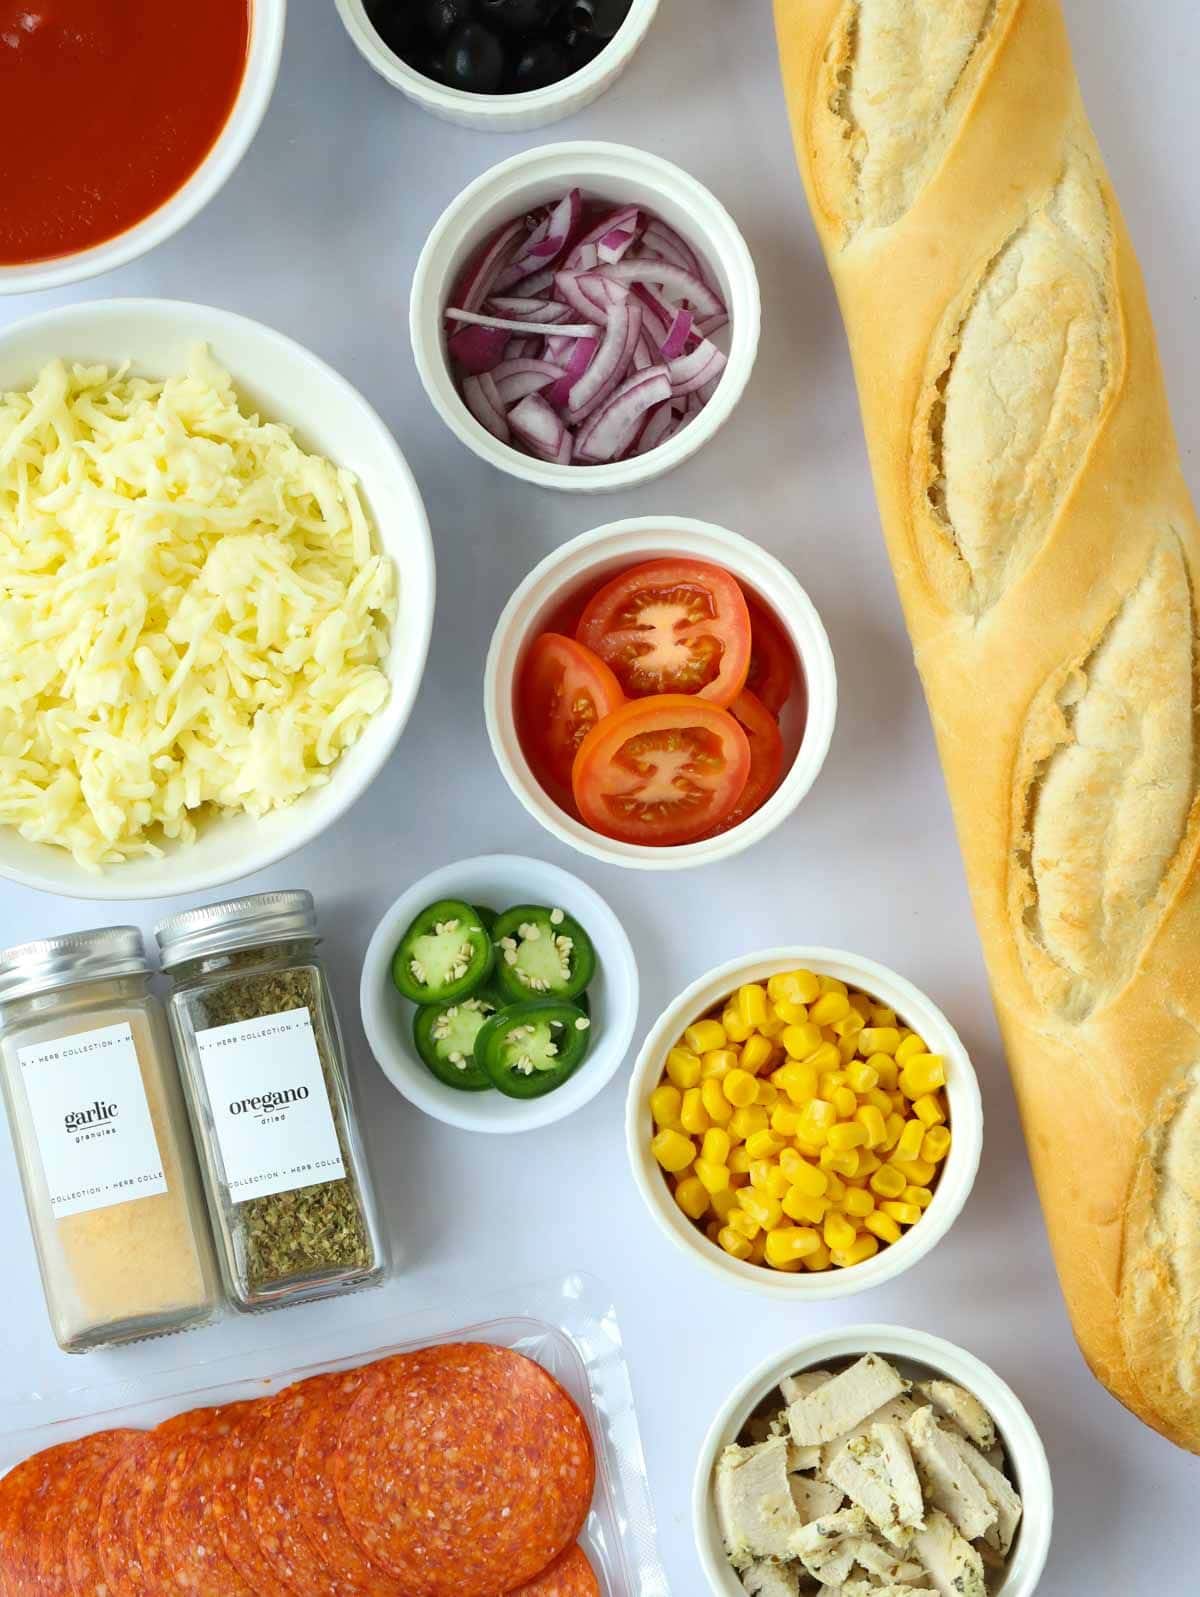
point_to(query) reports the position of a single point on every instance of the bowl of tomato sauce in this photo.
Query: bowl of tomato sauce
(660, 693)
(136, 115)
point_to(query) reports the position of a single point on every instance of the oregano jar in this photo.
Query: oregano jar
(264, 1071)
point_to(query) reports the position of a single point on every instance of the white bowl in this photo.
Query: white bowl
(285, 383)
(958, 1170)
(919, 1355)
(502, 113)
(602, 553)
(499, 881)
(262, 68)
(624, 176)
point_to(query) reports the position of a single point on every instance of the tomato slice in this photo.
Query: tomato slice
(661, 770)
(563, 692)
(766, 757)
(772, 661)
(672, 626)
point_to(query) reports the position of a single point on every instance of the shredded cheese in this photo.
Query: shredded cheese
(192, 611)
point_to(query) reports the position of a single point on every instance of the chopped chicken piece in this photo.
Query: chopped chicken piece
(802, 1459)
(755, 1511)
(882, 1562)
(844, 1401)
(997, 1488)
(794, 1387)
(901, 1473)
(868, 1588)
(858, 1468)
(898, 1412)
(815, 1499)
(761, 1427)
(963, 1410)
(826, 1547)
(772, 1580)
(949, 1484)
(995, 1456)
(952, 1564)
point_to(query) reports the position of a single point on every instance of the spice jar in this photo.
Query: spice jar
(102, 1141)
(265, 1074)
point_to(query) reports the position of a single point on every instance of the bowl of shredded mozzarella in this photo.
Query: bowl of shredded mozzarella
(216, 598)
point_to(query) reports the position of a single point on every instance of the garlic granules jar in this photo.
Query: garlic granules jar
(102, 1142)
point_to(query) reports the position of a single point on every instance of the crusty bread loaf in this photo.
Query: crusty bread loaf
(1047, 555)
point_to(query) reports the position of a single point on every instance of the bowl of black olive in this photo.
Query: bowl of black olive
(505, 65)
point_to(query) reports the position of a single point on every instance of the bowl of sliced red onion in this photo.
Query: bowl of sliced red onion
(585, 316)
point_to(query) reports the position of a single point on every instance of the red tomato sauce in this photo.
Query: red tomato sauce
(108, 106)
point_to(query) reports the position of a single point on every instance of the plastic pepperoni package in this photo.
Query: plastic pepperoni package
(316, 1467)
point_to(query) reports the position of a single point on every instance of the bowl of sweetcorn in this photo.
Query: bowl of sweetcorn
(804, 1122)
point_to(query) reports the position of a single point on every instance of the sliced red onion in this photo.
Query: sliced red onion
(516, 378)
(712, 324)
(660, 424)
(585, 253)
(538, 426)
(559, 350)
(666, 274)
(614, 244)
(507, 325)
(612, 360)
(528, 310)
(694, 371)
(478, 282)
(662, 240)
(569, 288)
(583, 352)
(643, 355)
(478, 349)
(676, 340)
(546, 243)
(614, 425)
(522, 348)
(484, 404)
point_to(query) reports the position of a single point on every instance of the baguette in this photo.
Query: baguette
(1047, 557)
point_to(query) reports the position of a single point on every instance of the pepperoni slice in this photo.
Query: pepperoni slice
(176, 1439)
(116, 1527)
(274, 1494)
(74, 1493)
(188, 1556)
(465, 1471)
(31, 1503)
(570, 1576)
(320, 1516)
(228, 1475)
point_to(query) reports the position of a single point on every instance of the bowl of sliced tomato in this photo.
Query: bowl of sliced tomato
(660, 693)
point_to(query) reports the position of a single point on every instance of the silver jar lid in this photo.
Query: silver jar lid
(50, 962)
(248, 922)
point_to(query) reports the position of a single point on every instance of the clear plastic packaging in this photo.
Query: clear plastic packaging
(569, 1327)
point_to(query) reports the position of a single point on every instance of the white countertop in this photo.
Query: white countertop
(317, 233)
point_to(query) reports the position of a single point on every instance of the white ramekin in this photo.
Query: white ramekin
(589, 559)
(919, 1355)
(262, 68)
(916, 1010)
(502, 113)
(284, 382)
(625, 176)
(499, 881)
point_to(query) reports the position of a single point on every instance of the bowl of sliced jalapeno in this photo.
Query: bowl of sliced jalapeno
(499, 994)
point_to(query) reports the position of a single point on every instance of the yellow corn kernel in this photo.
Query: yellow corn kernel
(850, 1025)
(719, 1109)
(905, 1213)
(861, 1004)
(757, 1052)
(716, 1145)
(809, 1210)
(718, 1062)
(936, 1145)
(713, 1230)
(810, 1150)
(777, 1184)
(821, 1113)
(845, 1102)
(915, 1171)
(908, 1144)
(746, 1122)
(734, 1243)
(849, 1134)
(894, 1126)
(829, 1007)
(673, 1151)
(827, 1057)
(920, 1196)
(810, 1180)
(692, 1197)
(790, 1014)
(820, 1260)
(868, 1162)
(800, 1083)
(764, 1145)
(863, 1249)
(831, 984)
(704, 1035)
(766, 1093)
(880, 1100)
(790, 1243)
(923, 1073)
(829, 1081)
(750, 1001)
(794, 986)
(879, 1040)
(801, 1041)
(693, 1116)
(845, 1163)
(882, 1226)
(836, 1190)
(665, 1104)
(745, 1223)
(740, 1088)
(889, 1071)
(723, 1203)
(761, 1205)
(683, 1068)
(739, 1161)
(785, 1119)
(858, 1203)
(881, 1015)
(887, 1182)
(861, 1077)
(773, 1028)
(909, 1045)
(737, 1028)
(872, 1122)
(713, 1176)
(929, 1110)
(847, 1050)
(838, 1232)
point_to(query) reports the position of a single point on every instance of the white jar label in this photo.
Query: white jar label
(270, 1106)
(88, 1105)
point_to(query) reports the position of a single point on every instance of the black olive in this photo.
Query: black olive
(441, 17)
(474, 60)
(393, 22)
(541, 63)
(580, 47)
(520, 16)
(603, 18)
